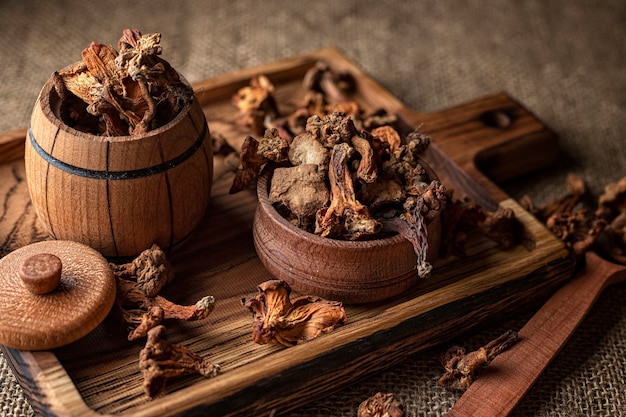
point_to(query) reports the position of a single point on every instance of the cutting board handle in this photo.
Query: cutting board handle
(491, 140)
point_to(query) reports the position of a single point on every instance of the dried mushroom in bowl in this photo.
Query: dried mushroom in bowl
(348, 209)
(341, 182)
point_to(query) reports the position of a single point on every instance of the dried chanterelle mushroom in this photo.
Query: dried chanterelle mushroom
(138, 284)
(160, 360)
(129, 92)
(278, 320)
(578, 227)
(461, 368)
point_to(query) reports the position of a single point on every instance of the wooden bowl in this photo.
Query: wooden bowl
(348, 271)
(119, 194)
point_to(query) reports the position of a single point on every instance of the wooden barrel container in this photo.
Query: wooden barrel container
(119, 194)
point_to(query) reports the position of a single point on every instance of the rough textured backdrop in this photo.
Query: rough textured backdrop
(564, 60)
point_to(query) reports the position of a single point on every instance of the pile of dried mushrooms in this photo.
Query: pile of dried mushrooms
(129, 92)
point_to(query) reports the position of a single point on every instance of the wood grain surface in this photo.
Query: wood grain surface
(98, 374)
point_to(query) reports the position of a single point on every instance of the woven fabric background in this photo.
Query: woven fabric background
(565, 60)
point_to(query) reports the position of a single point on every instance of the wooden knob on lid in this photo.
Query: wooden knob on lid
(41, 273)
(53, 293)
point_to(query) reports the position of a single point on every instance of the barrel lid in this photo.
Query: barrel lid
(53, 293)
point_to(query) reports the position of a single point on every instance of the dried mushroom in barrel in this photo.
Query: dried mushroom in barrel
(129, 92)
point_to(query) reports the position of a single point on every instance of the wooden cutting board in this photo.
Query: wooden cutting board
(493, 137)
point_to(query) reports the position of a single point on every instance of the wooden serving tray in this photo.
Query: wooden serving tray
(99, 375)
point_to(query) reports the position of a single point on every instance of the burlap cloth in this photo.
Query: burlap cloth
(565, 60)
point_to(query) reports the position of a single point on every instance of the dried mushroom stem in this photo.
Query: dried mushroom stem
(367, 170)
(411, 226)
(141, 313)
(279, 321)
(345, 216)
(381, 405)
(160, 361)
(461, 368)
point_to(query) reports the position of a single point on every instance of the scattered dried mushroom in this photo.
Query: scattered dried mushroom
(578, 227)
(381, 405)
(160, 360)
(138, 285)
(121, 93)
(278, 320)
(461, 368)
(143, 310)
(463, 218)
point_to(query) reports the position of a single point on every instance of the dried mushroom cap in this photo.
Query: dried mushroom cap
(306, 149)
(388, 134)
(301, 189)
(381, 194)
(345, 217)
(150, 269)
(279, 321)
(332, 129)
(255, 95)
